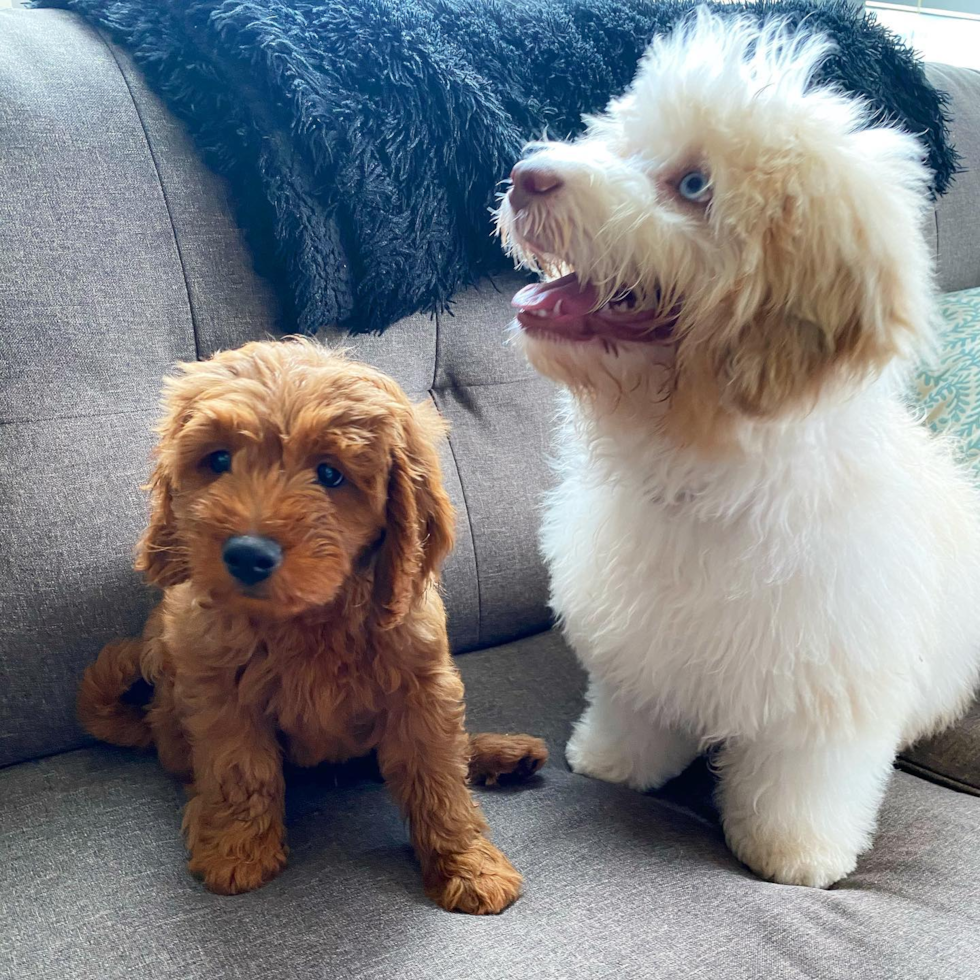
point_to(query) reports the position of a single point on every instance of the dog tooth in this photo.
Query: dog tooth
(558, 307)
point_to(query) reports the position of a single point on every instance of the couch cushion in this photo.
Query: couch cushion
(95, 307)
(71, 511)
(118, 256)
(92, 296)
(957, 211)
(619, 884)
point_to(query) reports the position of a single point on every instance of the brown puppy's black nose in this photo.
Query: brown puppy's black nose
(251, 559)
(532, 181)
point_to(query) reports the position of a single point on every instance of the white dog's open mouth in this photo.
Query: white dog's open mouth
(566, 309)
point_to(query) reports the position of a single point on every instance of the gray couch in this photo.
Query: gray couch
(118, 256)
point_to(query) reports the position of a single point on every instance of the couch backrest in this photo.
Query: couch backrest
(118, 256)
(958, 211)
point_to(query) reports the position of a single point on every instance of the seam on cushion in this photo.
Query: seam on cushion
(88, 743)
(931, 775)
(516, 638)
(503, 643)
(163, 191)
(469, 523)
(84, 415)
(487, 384)
(435, 356)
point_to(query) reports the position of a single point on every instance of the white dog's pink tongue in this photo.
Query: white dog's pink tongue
(575, 299)
(567, 309)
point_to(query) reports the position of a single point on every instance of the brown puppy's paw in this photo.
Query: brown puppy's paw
(228, 871)
(516, 757)
(477, 881)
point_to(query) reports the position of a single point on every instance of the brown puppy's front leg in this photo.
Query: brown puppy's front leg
(423, 754)
(233, 822)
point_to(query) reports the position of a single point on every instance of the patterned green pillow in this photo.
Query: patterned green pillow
(948, 390)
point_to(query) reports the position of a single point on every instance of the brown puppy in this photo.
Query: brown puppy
(298, 524)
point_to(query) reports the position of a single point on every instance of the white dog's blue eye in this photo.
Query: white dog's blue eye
(694, 186)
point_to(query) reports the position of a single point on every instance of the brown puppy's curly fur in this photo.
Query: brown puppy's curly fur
(340, 651)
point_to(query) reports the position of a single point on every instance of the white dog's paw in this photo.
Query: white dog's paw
(599, 759)
(617, 746)
(616, 763)
(796, 860)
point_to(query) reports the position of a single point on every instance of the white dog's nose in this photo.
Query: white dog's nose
(532, 181)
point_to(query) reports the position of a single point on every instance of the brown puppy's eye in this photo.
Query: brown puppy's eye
(329, 476)
(219, 461)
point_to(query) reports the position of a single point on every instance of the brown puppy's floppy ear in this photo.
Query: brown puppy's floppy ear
(159, 555)
(420, 517)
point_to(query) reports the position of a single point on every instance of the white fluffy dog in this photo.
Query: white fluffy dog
(754, 545)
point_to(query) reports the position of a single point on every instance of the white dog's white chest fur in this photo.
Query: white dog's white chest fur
(825, 585)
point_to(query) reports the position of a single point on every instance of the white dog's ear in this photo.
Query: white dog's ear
(779, 358)
(846, 282)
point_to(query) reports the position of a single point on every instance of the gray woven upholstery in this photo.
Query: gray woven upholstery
(957, 212)
(620, 886)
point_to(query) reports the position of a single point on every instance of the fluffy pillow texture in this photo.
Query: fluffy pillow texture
(948, 388)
